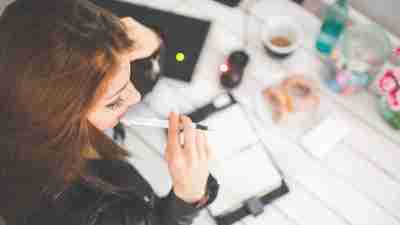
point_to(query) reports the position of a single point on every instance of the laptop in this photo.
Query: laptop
(181, 34)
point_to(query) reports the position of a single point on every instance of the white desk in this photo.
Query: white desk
(358, 183)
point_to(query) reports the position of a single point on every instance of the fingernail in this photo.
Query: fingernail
(188, 119)
(182, 117)
(172, 113)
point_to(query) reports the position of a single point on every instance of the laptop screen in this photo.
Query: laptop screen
(184, 36)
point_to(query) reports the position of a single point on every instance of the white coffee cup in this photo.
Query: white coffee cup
(282, 27)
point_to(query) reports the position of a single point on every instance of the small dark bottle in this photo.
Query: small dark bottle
(232, 77)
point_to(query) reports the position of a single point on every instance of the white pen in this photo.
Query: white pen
(152, 122)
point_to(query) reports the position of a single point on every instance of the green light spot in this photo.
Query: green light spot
(180, 57)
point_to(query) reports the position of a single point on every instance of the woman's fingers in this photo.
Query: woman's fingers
(173, 134)
(129, 21)
(208, 149)
(195, 145)
(188, 165)
(200, 143)
(190, 139)
(131, 26)
(146, 41)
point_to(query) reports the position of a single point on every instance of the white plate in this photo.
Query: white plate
(296, 124)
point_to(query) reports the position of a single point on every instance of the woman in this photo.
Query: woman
(65, 69)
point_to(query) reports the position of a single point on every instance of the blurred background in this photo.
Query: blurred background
(384, 12)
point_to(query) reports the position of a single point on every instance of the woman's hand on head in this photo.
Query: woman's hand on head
(188, 163)
(146, 41)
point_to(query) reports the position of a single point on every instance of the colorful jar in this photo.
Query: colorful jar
(359, 57)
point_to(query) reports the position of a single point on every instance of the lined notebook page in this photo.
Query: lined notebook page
(231, 132)
(248, 173)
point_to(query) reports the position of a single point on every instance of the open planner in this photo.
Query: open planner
(241, 166)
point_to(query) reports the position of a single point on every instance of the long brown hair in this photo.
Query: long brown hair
(54, 57)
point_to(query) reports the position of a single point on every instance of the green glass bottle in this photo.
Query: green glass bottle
(332, 27)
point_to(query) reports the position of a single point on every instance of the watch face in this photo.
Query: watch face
(222, 101)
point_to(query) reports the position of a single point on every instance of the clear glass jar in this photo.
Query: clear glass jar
(361, 54)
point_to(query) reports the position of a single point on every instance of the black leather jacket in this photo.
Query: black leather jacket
(132, 203)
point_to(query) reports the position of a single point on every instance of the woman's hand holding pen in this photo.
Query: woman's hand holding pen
(188, 163)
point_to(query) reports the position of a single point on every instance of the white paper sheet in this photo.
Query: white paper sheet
(164, 99)
(231, 132)
(322, 138)
(248, 173)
